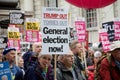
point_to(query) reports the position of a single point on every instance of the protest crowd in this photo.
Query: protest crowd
(57, 56)
(32, 65)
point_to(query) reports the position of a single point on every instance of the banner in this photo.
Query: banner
(104, 39)
(3, 42)
(5, 73)
(81, 30)
(16, 17)
(32, 30)
(13, 37)
(55, 34)
(109, 26)
(117, 30)
(24, 46)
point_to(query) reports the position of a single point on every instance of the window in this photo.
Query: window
(91, 18)
(51, 3)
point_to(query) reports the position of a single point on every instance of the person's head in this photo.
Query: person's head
(36, 47)
(97, 56)
(9, 54)
(115, 50)
(76, 47)
(68, 59)
(90, 52)
(44, 60)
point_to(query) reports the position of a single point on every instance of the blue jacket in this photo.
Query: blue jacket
(16, 72)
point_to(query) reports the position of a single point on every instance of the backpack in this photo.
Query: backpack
(97, 75)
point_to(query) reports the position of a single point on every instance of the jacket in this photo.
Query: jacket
(109, 71)
(36, 73)
(17, 73)
(90, 72)
(65, 74)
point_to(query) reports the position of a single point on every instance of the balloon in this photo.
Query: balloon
(89, 4)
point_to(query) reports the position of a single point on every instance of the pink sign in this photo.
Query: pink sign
(14, 43)
(32, 36)
(81, 30)
(117, 30)
(105, 41)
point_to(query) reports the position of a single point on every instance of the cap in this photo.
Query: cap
(114, 45)
(6, 50)
(97, 54)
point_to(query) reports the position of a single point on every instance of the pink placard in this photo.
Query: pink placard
(32, 36)
(117, 30)
(81, 30)
(14, 43)
(105, 41)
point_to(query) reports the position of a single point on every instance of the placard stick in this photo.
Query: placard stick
(16, 58)
(55, 66)
(84, 55)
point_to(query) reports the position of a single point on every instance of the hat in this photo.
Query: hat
(97, 54)
(6, 50)
(114, 45)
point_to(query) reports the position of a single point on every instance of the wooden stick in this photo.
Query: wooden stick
(84, 55)
(16, 58)
(55, 66)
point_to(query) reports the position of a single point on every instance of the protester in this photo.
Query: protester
(110, 68)
(9, 55)
(67, 70)
(77, 50)
(21, 63)
(89, 57)
(91, 69)
(30, 57)
(43, 71)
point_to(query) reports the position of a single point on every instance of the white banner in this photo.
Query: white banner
(55, 35)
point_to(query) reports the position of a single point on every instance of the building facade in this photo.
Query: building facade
(94, 18)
